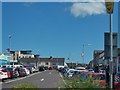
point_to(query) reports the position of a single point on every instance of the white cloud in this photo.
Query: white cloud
(28, 4)
(84, 9)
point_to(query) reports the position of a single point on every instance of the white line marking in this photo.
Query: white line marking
(49, 72)
(62, 78)
(1, 82)
(42, 80)
(22, 78)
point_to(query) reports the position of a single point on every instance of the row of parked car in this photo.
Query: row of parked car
(14, 72)
(9, 72)
(83, 73)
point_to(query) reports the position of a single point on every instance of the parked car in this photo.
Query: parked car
(46, 67)
(27, 71)
(63, 70)
(4, 74)
(21, 71)
(117, 83)
(91, 70)
(13, 72)
(117, 74)
(50, 68)
(100, 78)
(41, 68)
(70, 72)
(35, 69)
(30, 68)
(81, 69)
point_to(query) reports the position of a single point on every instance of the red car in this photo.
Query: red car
(101, 79)
(50, 68)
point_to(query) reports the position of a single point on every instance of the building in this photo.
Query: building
(47, 62)
(98, 57)
(16, 55)
(91, 64)
(22, 54)
(26, 57)
(73, 65)
(107, 49)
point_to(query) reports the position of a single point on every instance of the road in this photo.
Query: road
(45, 79)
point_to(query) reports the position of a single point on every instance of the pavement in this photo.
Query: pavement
(45, 79)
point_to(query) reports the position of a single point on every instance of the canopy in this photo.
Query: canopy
(4, 62)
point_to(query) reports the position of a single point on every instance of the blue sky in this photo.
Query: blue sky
(1, 26)
(55, 29)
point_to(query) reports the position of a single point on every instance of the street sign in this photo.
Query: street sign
(109, 6)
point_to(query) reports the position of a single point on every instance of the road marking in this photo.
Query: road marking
(49, 72)
(58, 88)
(1, 82)
(42, 80)
(62, 78)
(22, 78)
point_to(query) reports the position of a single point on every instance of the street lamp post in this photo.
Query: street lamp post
(9, 41)
(111, 54)
(83, 52)
(109, 9)
(10, 36)
(37, 59)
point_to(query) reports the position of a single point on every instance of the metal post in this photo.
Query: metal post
(117, 64)
(111, 54)
(10, 42)
(83, 54)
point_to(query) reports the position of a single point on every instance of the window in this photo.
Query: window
(54, 64)
(118, 69)
(46, 63)
(119, 61)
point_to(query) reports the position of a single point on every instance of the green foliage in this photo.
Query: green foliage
(76, 83)
(24, 86)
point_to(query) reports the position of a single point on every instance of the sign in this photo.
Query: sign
(109, 6)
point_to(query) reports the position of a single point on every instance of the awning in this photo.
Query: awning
(4, 62)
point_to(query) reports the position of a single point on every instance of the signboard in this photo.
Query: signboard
(109, 6)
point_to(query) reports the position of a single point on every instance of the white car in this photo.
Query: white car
(27, 71)
(81, 69)
(70, 72)
(3, 74)
(91, 70)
